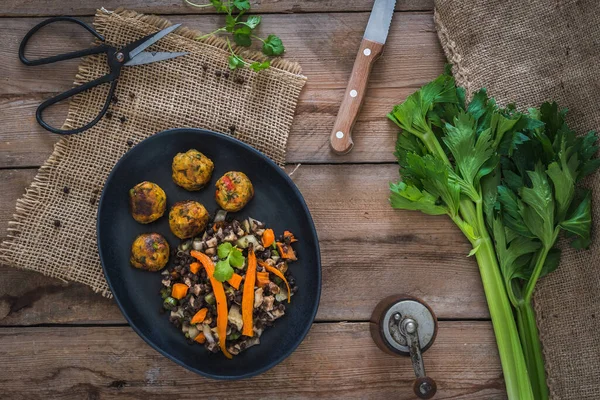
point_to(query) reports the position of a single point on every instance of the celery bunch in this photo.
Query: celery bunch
(509, 182)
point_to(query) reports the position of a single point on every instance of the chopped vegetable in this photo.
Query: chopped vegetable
(199, 316)
(509, 182)
(248, 294)
(179, 291)
(288, 237)
(262, 279)
(195, 267)
(286, 251)
(268, 237)
(219, 296)
(235, 281)
(200, 338)
(279, 274)
(169, 303)
(210, 299)
(247, 240)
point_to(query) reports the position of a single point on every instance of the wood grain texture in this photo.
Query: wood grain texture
(325, 44)
(336, 360)
(354, 96)
(368, 249)
(22, 8)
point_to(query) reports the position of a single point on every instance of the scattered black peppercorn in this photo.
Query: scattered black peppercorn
(108, 115)
(95, 191)
(205, 67)
(226, 74)
(123, 119)
(132, 95)
(93, 200)
(66, 190)
(130, 143)
(232, 129)
(114, 99)
(217, 73)
(57, 223)
(239, 80)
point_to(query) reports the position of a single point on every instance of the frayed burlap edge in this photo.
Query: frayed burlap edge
(461, 74)
(30, 199)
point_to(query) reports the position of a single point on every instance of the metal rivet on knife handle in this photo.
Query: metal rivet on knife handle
(370, 50)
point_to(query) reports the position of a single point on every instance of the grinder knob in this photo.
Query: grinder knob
(406, 326)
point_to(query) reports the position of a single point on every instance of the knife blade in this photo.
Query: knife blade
(370, 50)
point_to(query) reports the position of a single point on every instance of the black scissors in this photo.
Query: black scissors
(131, 54)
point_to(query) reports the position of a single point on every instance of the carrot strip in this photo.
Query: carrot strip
(179, 291)
(199, 316)
(235, 280)
(194, 267)
(262, 279)
(219, 296)
(200, 338)
(289, 254)
(279, 274)
(268, 237)
(248, 294)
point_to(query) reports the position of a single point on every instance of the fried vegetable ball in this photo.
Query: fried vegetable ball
(147, 202)
(234, 191)
(192, 170)
(188, 219)
(150, 252)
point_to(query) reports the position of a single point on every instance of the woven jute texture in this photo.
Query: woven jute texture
(181, 92)
(528, 52)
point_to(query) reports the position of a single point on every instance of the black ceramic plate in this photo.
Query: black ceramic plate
(277, 202)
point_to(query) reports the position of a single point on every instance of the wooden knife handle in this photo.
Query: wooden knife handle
(341, 136)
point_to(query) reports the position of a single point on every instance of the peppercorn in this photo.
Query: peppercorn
(205, 67)
(226, 74)
(95, 191)
(93, 200)
(130, 143)
(232, 129)
(123, 119)
(108, 115)
(66, 190)
(57, 223)
(217, 73)
(239, 79)
(114, 99)
(131, 95)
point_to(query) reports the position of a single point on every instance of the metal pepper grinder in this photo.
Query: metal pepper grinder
(407, 326)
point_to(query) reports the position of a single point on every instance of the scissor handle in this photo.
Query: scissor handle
(111, 77)
(66, 56)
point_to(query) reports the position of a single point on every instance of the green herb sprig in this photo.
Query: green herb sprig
(229, 257)
(242, 32)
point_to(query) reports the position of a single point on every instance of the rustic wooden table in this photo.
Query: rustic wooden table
(61, 340)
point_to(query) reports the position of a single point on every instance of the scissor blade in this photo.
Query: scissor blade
(151, 39)
(379, 21)
(147, 57)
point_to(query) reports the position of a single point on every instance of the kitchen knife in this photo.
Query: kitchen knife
(370, 49)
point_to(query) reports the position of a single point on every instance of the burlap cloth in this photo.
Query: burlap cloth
(528, 52)
(182, 92)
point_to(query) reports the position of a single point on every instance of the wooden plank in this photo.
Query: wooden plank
(23, 143)
(368, 249)
(17, 8)
(325, 45)
(337, 360)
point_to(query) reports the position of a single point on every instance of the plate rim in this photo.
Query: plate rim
(295, 189)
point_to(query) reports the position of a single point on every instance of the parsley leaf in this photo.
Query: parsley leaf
(236, 259)
(223, 271)
(235, 62)
(224, 249)
(273, 46)
(241, 36)
(241, 5)
(252, 21)
(259, 66)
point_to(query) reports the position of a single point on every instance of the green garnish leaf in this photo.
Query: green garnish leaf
(241, 5)
(253, 21)
(259, 66)
(273, 46)
(580, 223)
(241, 36)
(411, 198)
(223, 271)
(224, 250)
(236, 259)
(235, 62)
(219, 6)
